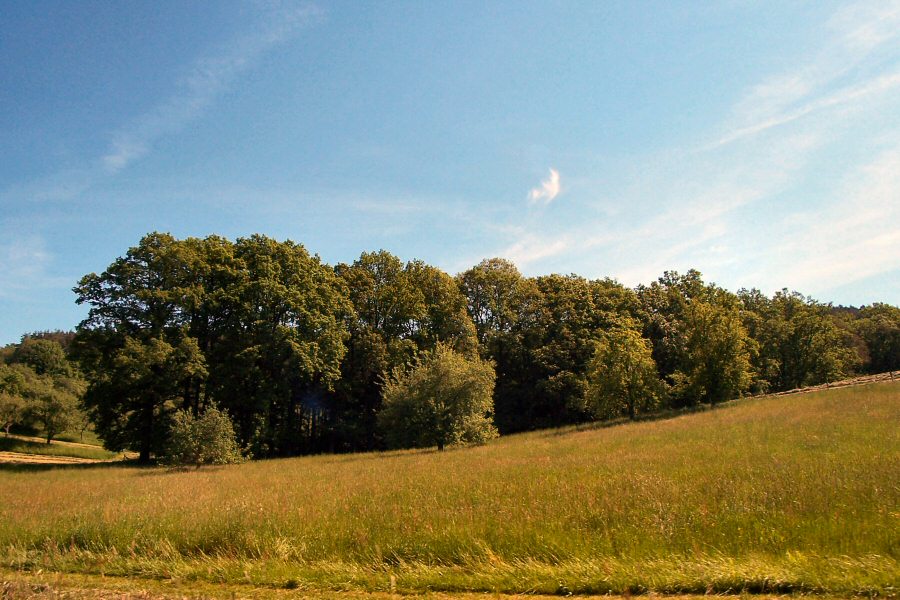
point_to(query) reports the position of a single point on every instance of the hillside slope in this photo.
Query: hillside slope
(772, 494)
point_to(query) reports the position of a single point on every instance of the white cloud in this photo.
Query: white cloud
(548, 190)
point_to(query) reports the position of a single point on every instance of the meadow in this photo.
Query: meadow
(30, 446)
(775, 494)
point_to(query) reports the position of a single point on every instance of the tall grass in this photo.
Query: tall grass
(773, 494)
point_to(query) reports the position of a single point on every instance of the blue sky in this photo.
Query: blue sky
(758, 142)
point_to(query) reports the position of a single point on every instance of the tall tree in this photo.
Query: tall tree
(576, 313)
(400, 311)
(281, 345)
(257, 325)
(508, 312)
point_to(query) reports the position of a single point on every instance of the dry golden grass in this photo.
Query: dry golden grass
(776, 494)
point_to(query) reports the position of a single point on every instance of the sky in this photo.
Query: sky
(755, 141)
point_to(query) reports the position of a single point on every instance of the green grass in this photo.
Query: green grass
(787, 494)
(89, 437)
(12, 444)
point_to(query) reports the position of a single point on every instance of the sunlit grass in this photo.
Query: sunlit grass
(13, 444)
(781, 494)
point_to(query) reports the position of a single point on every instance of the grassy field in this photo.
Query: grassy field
(789, 494)
(13, 444)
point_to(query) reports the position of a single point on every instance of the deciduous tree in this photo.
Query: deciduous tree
(622, 376)
(445, 399)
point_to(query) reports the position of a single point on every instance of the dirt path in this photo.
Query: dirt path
(24, 585)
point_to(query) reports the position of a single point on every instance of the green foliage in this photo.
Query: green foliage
(12, 409)
(508, 313)
(716, 362)
(400, 311)
(53, 404)
(444, 400)
(622, 376)
(12, 402)
(50, 402)
(879, 326)
(204, 439)
(256, 326)
(137, 387)
(799, 343)
(576, 313)
(44, 356)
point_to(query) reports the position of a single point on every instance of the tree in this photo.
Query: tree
(716, 362)
(204, 439)
(12, 404)
(12, 408)
(257, 326)
(622, 376)
(400, 311)
(446, 399)
(53, 405)
(49, 401)
(509, 314)
(44, 356)
(879, 326)
(138, 388)
(799, 342)
(576, 311)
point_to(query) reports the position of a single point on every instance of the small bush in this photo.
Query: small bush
(204, 439)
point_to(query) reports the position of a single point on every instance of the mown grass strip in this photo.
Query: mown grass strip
(12, 444)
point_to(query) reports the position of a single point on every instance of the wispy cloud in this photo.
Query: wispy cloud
(205, 81)
(24, 262)
(852, 239)
(547, 191)
(752, 208)
(860, 32)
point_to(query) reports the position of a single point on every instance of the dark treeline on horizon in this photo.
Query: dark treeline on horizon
(297, 351)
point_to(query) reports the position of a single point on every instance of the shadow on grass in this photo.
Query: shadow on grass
(663, 415)
(24, 467)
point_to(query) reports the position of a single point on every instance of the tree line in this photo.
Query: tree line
(304, 357)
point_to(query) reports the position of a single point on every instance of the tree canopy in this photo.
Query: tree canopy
(304, 357)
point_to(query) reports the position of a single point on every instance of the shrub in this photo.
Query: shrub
(445, 400)
(204, 439)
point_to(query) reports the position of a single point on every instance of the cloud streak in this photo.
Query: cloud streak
(205, 81)
(800, 187)
(23, 267)
(547, 191)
